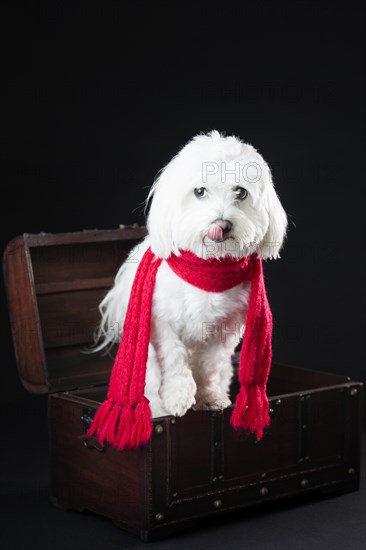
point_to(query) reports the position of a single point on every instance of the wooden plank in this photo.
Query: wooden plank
(73, 263)
(70, 367)
(70, 286)
(86, 236)
(24, 317)
(109, 482)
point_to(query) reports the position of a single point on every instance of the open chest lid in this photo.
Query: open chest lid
(54, 285)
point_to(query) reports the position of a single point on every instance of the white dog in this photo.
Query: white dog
(214, 198)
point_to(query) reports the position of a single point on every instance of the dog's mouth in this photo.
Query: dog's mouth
(219, 230)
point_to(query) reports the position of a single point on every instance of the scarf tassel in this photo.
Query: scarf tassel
(122, 426)
(251, 411)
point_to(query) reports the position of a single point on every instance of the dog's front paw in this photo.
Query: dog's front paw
(211, 402)
(178, 395)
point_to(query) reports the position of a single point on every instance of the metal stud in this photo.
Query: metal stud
(353, 392)
(304, 483)
(159, 517)
(351, 471)
(263, 475)
(217, 503)
(221, 478)
(214, 479)
(278, 402)
(173, 421)
(159, 429)
(263, 491)
(175, 495)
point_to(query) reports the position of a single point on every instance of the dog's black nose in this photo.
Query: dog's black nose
(225, 225)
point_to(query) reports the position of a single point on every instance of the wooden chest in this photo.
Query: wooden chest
(194, 466)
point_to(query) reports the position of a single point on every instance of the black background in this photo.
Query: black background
(97, 97)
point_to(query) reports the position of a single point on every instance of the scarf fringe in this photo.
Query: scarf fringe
(251, 411)
(240, 408)
(122, 426)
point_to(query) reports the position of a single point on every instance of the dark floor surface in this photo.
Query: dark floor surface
(29, 521)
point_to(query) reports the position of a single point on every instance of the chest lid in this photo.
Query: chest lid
(54, 285)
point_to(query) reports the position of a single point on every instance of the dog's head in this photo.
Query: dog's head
(216, 198)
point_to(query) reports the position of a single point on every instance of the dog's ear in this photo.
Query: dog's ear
(274, 237)
(160, 219)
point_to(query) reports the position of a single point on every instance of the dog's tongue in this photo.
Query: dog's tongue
(215, 232)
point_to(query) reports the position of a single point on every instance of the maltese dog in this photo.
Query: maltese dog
(215, 198)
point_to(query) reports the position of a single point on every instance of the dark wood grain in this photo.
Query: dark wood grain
(107, 482)
(24, 317)
(194, 466)
(195, 461)
(55, 283)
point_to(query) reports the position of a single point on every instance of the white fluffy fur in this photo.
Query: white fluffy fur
(193, 332)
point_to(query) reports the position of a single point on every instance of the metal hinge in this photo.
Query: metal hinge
(86, 418)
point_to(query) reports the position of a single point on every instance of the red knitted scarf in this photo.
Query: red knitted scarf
(124, 419)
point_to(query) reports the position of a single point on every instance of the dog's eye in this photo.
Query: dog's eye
(240, 193)
(200, 192)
